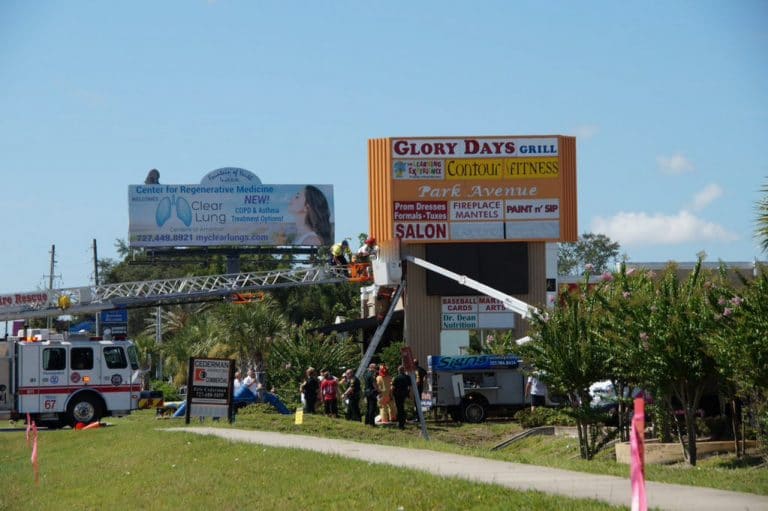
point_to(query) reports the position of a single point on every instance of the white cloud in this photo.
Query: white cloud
(675, 164)
(705, 197)
(585, 131)
(629, 228)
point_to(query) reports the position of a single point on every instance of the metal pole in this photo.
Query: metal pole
(50, 281)
(96, 283)
(158, 341)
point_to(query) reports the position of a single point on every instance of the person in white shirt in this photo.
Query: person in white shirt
(237, 382)
(250, 379)
(537, 391)
(366, 251)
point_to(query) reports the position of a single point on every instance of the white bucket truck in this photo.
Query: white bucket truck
(469, 386)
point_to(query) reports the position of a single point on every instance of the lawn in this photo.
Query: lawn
(133, 465)
(722, 472)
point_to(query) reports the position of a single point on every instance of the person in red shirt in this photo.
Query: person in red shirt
(329, 390)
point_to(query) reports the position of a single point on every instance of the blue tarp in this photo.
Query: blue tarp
(244, 396)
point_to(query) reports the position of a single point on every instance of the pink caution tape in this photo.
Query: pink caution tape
(637, 449)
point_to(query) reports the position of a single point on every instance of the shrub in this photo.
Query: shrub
(170, 392)
(543, 417)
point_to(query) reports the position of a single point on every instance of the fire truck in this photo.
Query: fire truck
(61, 380)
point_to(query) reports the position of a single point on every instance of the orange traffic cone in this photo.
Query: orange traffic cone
(92, 425)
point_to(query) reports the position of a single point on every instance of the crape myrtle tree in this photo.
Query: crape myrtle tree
(740, 346)
(678, 361)
(626, 302)
(569, 355)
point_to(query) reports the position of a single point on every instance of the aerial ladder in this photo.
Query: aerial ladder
(129, 295)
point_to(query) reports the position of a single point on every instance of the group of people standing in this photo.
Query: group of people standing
(384, 395)
(326, 389)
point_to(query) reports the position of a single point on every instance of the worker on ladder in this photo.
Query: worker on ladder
(339, 252)
(367, 251)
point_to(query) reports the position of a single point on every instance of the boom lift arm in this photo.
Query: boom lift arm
(510, 302)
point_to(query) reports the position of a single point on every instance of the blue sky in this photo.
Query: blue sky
(668, 101)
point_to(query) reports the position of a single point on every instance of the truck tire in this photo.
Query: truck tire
(85, 409)
(474, 412)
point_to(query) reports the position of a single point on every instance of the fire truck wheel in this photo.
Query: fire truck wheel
(474, 412)
(85, 409)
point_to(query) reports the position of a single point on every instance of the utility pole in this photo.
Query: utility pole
(96, 283)
(158, 341)
(50, 280)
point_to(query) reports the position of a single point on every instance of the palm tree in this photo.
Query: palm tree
(762, 219)
(250, 328)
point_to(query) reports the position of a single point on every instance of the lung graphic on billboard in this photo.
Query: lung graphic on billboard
(230, 207)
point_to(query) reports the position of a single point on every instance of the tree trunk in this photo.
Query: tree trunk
(579, 430)
(690, 422)
(735, 429)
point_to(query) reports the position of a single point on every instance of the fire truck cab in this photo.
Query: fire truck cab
(61, 380)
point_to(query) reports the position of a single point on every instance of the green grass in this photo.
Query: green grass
(134, 465)
(722, 472)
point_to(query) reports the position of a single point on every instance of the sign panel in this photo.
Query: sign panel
(114, 316)
(480, 188)
(229, 211)
(475, 312)
(209, 387)
(471, 362)
(18, 302)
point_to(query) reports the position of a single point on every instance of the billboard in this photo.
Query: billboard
(230, 207)
(465, 189)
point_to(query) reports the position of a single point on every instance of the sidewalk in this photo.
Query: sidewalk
(518, 476)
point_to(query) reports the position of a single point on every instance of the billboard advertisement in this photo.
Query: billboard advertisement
(230, 208)
(462, 189)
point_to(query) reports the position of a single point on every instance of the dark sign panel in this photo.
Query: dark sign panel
(209, 387)
(502, 266)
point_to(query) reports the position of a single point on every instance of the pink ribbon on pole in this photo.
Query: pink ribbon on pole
(29, 426)
(637, 450)
(33, 458)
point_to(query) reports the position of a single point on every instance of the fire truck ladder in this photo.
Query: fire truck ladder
(128, 295)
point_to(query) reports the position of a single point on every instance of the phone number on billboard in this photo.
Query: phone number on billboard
(162, 237)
